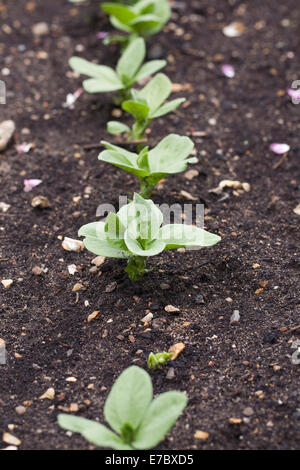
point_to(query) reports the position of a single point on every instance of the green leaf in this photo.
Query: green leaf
(104, 248)
(145, 22)
(131, 59)
(138, 110)
(142, 160)
(144, 212)
(98, 85)
(94, 432)
(156, 91)
(169, 156)
(84, 67)
(115, 127)
(159, 418)
(122, 13)
(120, 161)
(135, 247)
(94, 230)
(129, 399)
(181, 235)
(97, 243)
(149, 68)
(167, 108)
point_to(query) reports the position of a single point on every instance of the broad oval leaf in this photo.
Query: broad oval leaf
(129, 399)
(156, 91)
(143, 23)
(84, 67)
(181, 235)
(132, 58)
(105, 248)
(94, 432)
(138, 110)
(167, 108)
(101, 85)
(134, 246)
(122, 13)
(115, 127)
(169, 156)
(149, 68)
(160, 417)
(94, 230)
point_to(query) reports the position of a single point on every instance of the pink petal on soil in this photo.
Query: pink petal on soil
(102, 35)
(72, 98)
(228, 70)
(24, 148)
(280, 149)
(30, 184)
(295, 94)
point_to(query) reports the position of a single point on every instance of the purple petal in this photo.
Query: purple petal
(30, 184)
(295, 94)
(228, 70)
(280, 149)
(24, 148)
(102, 35)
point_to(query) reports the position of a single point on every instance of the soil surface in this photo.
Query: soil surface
(242, 386)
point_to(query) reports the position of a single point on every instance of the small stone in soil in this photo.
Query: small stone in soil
(7, 129)
(171, 373)
(202, 435)
(171, 309)
(20, 410)
(235, 317)
(40, 29)
(10, 439)
(248, 411)
(40, 202)
(37, 271)
(111, 287)
(7, 283)
(98, 261)
(199, 299)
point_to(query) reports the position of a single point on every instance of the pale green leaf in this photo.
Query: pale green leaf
(120, 161)
(159, 419)
(132, 58)
(169, 156)
(135, 247)
(101, 85)
(115, 127)
(167, 108)
(94, 432)
(129, 399)
(156, 91)
(138, 110)
(149, 68)
(84, 67)
(181, 235)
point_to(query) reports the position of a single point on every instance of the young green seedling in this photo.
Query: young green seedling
(129, 70)
(135, 233)
(145, 105)
(168, 157)
(143, 18)
(156, 361)
(138, 421)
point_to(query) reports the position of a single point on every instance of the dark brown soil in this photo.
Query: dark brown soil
(224, 368)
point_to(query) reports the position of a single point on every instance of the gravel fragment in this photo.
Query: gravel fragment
(235, 317)
(7, 129)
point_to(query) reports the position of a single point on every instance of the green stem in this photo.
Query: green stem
(145, 188)
(136, 268)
